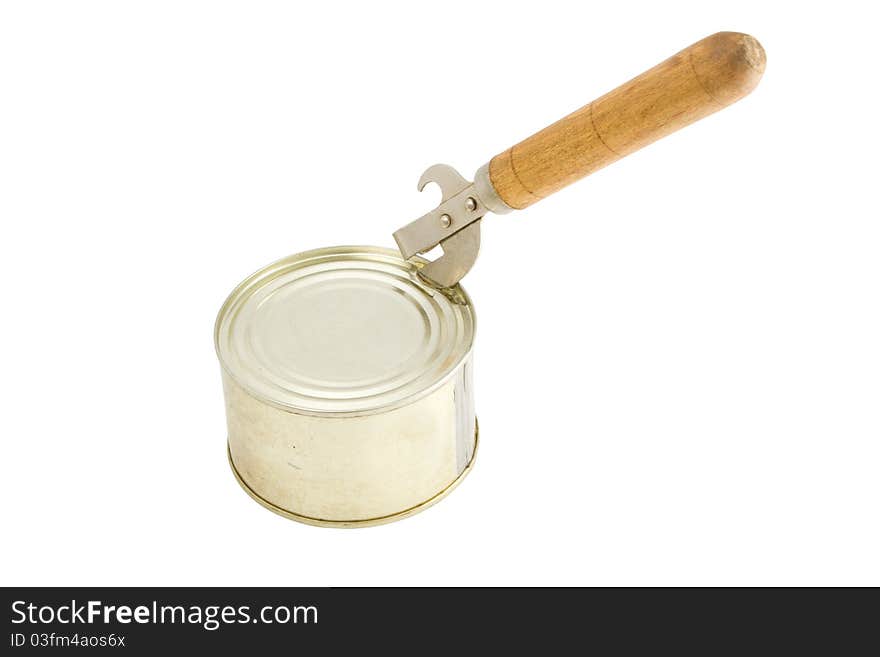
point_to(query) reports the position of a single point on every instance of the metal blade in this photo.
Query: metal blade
(459, 254)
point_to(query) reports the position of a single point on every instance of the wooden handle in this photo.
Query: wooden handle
(701, 79)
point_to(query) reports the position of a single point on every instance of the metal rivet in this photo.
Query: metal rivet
(445, 220)
(470, 204)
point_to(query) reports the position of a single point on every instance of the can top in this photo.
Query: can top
(345, 331)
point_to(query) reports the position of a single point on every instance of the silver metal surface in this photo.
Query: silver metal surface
(347, 383)
(459, 255)
(356, 471)
(428, 231)
(486, 192)
(343, 331)
(454, 224)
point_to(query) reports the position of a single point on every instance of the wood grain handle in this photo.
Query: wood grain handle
(701, 79)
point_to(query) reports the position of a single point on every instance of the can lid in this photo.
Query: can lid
(346, 330)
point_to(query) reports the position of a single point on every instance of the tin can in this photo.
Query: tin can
(348, 389)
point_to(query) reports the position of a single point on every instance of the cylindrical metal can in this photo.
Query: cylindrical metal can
(348, 388)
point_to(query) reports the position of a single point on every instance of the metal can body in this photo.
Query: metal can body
(352, 471)
(363, 443)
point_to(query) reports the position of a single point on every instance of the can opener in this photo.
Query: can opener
(700, 80)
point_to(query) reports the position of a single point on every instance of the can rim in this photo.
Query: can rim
(415, 262)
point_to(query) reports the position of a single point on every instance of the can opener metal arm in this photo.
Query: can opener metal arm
(700, 80)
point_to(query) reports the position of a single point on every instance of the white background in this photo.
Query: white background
(678, 360)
